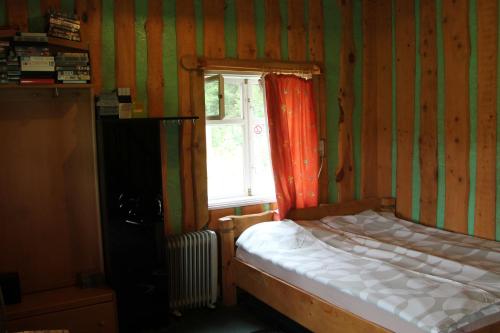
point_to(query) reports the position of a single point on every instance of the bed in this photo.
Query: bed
(307, 269)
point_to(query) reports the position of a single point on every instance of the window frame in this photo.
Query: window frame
(245, 81)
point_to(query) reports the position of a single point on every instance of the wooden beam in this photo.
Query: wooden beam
(384, 98)
(297, 49)
(369, 122)
(428, 111)
(405, 103)
(90, 12)
(186, 44)
(273, 29)
(247, 40)
(214, 44)
(17, 14)
(155, 79)
(456, 54)
(487, 28)
(125, 44)
(345, 172)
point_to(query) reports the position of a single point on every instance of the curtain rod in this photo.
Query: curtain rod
(191, 63)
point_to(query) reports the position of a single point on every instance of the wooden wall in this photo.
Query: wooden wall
(434, 65)
(139, 44)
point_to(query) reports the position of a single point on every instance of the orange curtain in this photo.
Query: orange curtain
(294, 141)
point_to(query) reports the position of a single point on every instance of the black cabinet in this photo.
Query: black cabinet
(132, 220)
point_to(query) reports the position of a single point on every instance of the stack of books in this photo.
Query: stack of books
(13, 68)
(65, 26)
(4, 54)
(107, 104)
(31, 37)
(37, 69)
(73, 67)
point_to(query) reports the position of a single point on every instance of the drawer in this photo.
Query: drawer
(98, 318)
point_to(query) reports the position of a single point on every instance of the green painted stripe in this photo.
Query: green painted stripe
(68, 6)
(306, 26)
(141, 52)
(237, 211)
(171, 108)
(440, 117)
(36, 21)
(497, 210)
(472, 114)
(230, 31)
(394, 151)
(284, 29)
(108, 43)
(358, 93)
(416, 129)
(266, 207)
(260, 27)
(332, 29)
(3, 17)
(198, 16)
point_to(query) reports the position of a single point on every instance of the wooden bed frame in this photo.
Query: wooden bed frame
(308, 310)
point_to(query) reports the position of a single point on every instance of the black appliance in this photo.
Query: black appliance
(132, 220)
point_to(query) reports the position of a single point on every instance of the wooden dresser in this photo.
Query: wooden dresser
(77, 310)
(49, 209)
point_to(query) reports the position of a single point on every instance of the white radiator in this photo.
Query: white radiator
(192, 269)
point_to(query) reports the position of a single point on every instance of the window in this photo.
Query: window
(238, 157)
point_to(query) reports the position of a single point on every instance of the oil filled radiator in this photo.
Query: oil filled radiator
(192, 270)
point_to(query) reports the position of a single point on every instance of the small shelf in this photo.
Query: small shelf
(47, 86)
(114, 119)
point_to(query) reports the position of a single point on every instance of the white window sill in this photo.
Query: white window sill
(239, 202)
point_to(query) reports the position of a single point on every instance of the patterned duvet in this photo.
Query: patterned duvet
(436, 280)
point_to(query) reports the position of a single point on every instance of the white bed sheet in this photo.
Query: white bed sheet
(343, 300)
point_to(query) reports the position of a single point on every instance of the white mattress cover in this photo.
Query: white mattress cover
(345, 301)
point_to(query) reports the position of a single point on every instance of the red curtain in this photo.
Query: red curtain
(294, 141)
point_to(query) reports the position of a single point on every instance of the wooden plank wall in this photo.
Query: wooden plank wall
(125, 37)
(446, 108)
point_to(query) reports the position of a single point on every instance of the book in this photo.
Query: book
(37, 81)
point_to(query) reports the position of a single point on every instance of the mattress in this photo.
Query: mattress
(400, 275)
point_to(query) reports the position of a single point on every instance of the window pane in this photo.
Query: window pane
(232, 100)
(212, 98)
(225, 161)
(261, 169)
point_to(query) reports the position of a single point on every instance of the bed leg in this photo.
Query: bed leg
(226, 233)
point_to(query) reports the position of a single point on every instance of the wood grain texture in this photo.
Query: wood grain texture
(369, 122)
(487, 24)
(384, 97)
(199, 150)
(317, 54)
(17, 14)
(46, 5)
(245, 24)
(49, 187)
(428, 111)
(213, 27)
(297, 48)
(456, 54)
(155, 79)
(125, 45)
(316, 36)
(345, 172)
(405, 103)
(310, 311)
(91, 24)
(186, 45)
(272, 30)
